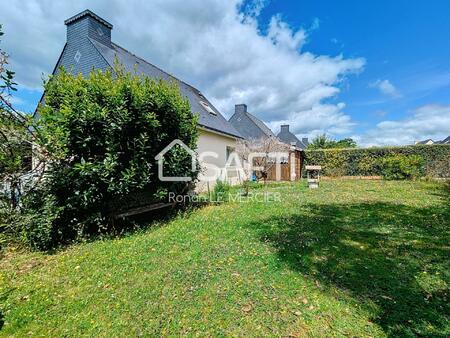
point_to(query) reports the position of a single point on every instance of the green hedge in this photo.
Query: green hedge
(101, 135)
(368, 161)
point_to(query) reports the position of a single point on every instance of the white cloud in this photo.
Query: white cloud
(386, 88)
(282, 36)
(215, 47)
(429, 121)
(315, 24)
(319, 119)
(254, 8)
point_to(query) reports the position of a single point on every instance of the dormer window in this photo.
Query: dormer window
(207, 107)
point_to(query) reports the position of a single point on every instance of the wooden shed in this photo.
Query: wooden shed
(289, 171)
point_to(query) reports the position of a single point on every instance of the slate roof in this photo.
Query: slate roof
(133, 63)
(445, 141)
(425, 141)
(289, 138)
(261, 125)
(249, 126)
(89, 46)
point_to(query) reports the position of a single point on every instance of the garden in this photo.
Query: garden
(352, 258)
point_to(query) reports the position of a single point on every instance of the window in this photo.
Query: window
(230, 150)
(208, 108)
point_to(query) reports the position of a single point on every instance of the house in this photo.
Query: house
(427, 142)
(287, 137)
(248, 125)
(89, 46)
(252, 128)
(430, 141)
(445, 141)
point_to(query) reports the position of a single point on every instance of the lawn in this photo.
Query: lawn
(353, 258)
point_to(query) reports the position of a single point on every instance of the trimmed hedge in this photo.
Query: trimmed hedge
(101, 134)
(369, 161)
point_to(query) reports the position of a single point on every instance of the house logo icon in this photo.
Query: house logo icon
(160, 158)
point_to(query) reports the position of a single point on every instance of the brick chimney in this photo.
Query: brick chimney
(88, 25)
(240, 108)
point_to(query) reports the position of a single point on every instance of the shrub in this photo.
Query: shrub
(246, 187)
(325, 142)
(37, 224)
(6, 219)
(367, 165)
(367, 162)
(400, 167)
(221, 191)
(101, 135)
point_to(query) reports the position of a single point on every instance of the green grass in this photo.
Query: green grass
(353, 258)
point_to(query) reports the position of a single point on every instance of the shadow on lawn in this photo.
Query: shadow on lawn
(378, 253)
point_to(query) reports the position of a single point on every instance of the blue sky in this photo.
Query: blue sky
(378, 71)
(403, 42)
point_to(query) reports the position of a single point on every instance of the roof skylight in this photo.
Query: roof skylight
(207, 108)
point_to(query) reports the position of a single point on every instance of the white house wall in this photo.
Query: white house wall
(214, 142)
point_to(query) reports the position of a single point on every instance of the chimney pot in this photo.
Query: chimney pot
(285, 128)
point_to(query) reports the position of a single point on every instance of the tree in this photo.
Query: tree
(15, 145)
(320, 142)
(101, 135)
(325, 142)
(346, 143)
(269, 150)
(15, 156)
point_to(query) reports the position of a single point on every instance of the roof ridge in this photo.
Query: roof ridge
(90, 13)
(101, 54)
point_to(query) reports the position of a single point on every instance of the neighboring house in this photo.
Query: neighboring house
(427, 142)
(287, 137)
(89, 46)
(445, 141)
(430, 141)
(252, 128)
(248, 125)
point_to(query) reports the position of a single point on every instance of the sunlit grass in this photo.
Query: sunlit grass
(353, 258)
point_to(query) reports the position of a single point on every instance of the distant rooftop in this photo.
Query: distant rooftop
(286, 136)
(248, 125)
